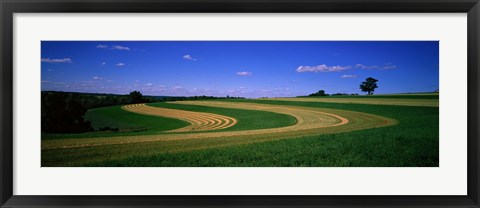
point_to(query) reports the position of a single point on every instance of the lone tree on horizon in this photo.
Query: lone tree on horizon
(369, 85)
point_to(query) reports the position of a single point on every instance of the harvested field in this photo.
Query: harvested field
(373, 101)
(317, 135)
(305, 118)
(310, 121)
(198, 121)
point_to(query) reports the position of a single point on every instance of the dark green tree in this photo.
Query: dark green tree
(319, 93)
(369, 85)
(135, 97)
(63, 113)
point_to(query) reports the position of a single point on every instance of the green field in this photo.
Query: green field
(387, 131)
(417, 100)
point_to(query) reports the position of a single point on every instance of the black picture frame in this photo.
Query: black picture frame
(9, 7)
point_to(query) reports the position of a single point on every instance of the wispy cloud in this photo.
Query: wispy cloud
(149, 84)
(114, 47)
(244, 73)
(361, 66)
(119, 64)
(51, 82)
(97, 78)
(175, 88)
(189, 57)
(349, 76)
(103, 63)
(384, 67)
(322, 68)
(102, 46)
(119, 47)
(389, 67)
(63, 60)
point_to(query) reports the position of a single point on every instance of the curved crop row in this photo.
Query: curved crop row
(198, 121)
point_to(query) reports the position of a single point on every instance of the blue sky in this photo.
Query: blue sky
(238, 68)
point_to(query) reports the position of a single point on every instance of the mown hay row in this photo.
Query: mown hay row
(198, 121)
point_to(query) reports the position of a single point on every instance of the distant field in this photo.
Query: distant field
(285, 132)
(410, 95)
(396, 96)
(414, 100)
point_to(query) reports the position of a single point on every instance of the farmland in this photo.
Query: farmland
(378, 101)
(350, 131)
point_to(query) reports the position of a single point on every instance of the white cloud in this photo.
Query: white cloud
(282, 89)
(322, 68)
(102, 46)
(189, 57)
(51, 82)
(236, 92)
(119, 47)
(385, 67)
(244, 73)
(361, 66)
(97, 78)
(349, 76)
(119, 64)
(161, 88)
(177, 88)
(149, 84)
(64, 60)
(390, 67)
(104, 63)
(114, 47)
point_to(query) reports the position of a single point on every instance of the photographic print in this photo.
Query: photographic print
(239, 103)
